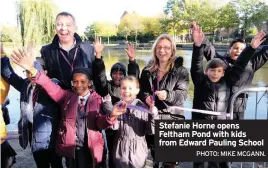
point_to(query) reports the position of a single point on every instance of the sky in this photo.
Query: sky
(88, 11)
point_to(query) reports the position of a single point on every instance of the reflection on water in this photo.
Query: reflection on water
(142, 57)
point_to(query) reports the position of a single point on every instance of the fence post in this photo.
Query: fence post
(242, 90)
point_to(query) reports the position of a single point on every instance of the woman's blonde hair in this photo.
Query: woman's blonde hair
(155, 60)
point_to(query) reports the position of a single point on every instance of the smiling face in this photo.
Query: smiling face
(81, 84)
(117, 76)
(236, 49)
(215, 74)
(163, 50)
(129, 90)
(65, 28)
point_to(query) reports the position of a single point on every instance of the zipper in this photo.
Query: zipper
(23, 140)
(67, 104)
(90, 149)
(216, 101)
(46, 116)
(32, 135)
(216, 98)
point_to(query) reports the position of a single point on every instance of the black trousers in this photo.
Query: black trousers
(110, 134)
(8, 155)
(105, 155)
(238, 116)
(212, 165)
(47, 159)
(82, 159)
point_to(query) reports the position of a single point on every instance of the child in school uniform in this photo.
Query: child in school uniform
(130, 147)
(111, 87)
(79, 137)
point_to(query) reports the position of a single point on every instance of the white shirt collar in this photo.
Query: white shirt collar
(67, 50)
(135, 101)
(84, 97)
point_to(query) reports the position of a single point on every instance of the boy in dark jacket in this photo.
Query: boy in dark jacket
(118, 72)
(213, 86)
(259, 58)
(106, 87)
(39, 116)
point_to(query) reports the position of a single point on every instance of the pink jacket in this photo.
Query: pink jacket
(68, 101)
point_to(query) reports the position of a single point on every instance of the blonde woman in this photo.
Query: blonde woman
(165, 82)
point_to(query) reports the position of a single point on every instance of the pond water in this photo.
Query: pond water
(112, 56)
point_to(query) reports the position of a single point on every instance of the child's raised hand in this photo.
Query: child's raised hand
(119, 109)
(24, 57)
(198, 35)
(131, 51)
(192, 26)
(98, 48)
(258, 39)
(107, 98)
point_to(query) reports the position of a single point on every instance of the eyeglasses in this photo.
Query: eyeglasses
(166, 48)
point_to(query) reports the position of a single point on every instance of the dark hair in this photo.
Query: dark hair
(118, 67)
(131, 79)
(65, 14)
(85, 71)
(215, 63)
(236, 40)
(41, 62)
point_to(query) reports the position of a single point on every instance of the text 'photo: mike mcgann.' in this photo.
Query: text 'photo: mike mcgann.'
(230, 153)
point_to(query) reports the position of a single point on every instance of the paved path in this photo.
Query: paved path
(24, 159)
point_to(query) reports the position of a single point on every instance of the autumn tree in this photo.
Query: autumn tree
(100, 29)
(92, 31)
(152, 25)
(130, 24)
(211, 16)
(108, 29)
(251, 13)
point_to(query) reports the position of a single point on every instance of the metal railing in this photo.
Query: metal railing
(243, 90)
(231, 107)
